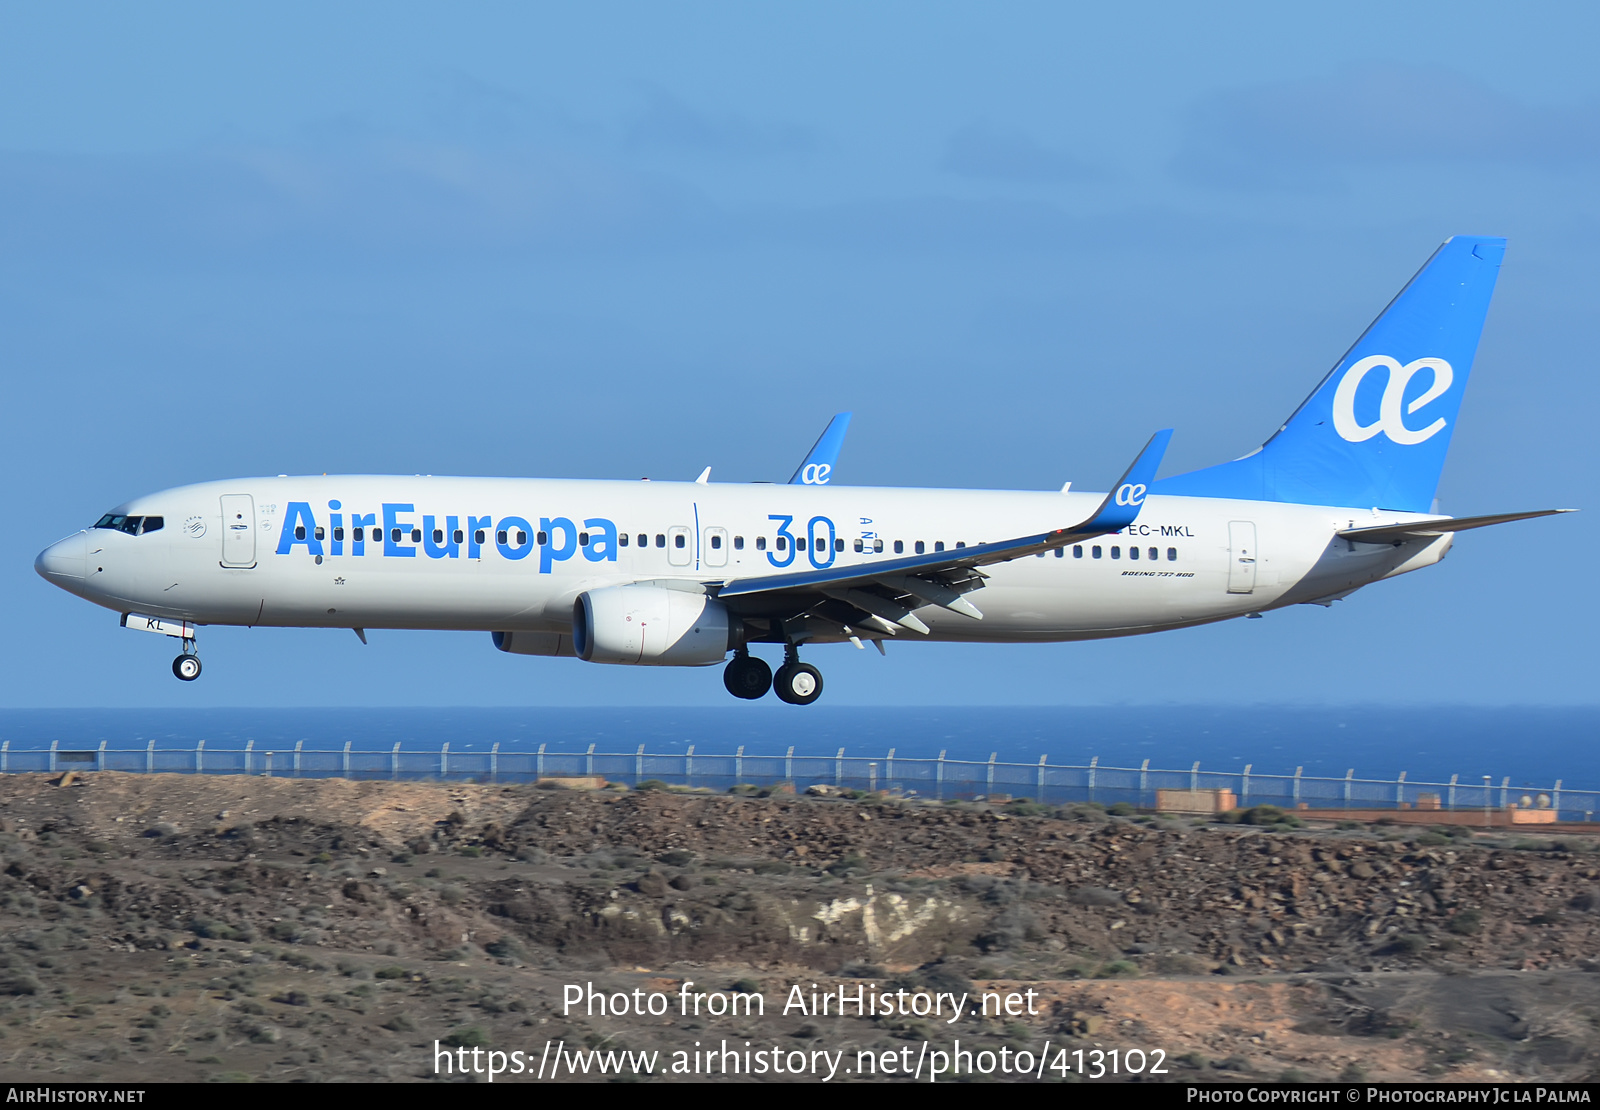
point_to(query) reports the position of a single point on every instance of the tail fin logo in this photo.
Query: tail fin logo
(1391, 420)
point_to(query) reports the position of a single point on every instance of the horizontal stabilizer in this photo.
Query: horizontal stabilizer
(1427, 529)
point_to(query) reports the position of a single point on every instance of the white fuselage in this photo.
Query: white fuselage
(1197, 560)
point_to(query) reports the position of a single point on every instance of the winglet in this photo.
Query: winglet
(1121, 506)
(817, 466)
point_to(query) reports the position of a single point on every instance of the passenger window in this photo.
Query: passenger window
(1155, 553)
(622, 540)
(661, 539)
(416, 535)
(543, 538)
(1077, 551)
(800, 543)
(1061, 553)
(338, 535)
(319, 533)
(299, 531)
(877, 546)
(359, 535)
(522, 538)
(782, 543)
(860, 546)
(394, 535)
(921, 547)
(961, 543)
(1133, 552)
(500, 536)
(1116, 552)
(716, 543)
(1172, 554)
(583, 539)
(899, 547)
(1095, 551)
(458, 535)
(438, 535)
(678, 541)
(477, 536)
(738, 543)
(938, 545)
(838, 545)
(644, 540)
(761, 543)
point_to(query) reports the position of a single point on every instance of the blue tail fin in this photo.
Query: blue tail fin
(1374, 433)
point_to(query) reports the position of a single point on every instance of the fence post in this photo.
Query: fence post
(938, 775)
(538, 766)
(872, 778)
(788, 766)
(53, 744)
(638, 766)
(990, 788)
(1555, 799)
(738, 765)
(345, 762)
(588, 761)
(444, 759)
(1400, 790)
(1144, 781)
(1297, 772)
(394, 761)
(1348, 775)
(1194, 777)
(268, 772)
(1451, 804)
(1244, 795)
(1505, 791)
(249, 745)
(838, 768)
(1040, 798)
(888, 772)
(688, 766)
(199, 757)
(298, 744)
(1094, 762)
(5, 756)
(494, 762)
(100, 758)
(150, 757)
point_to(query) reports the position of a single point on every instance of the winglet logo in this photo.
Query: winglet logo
(815, 474)
(1130, 495)
(1391, 421)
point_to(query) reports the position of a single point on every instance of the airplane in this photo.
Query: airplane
(657, 573)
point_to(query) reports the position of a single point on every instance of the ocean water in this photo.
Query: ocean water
(1533, 746)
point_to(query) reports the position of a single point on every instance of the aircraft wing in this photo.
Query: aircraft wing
(1428, 529)
(888, 590)
(817, 467)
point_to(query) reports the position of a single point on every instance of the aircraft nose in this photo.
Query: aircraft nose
(63, 561)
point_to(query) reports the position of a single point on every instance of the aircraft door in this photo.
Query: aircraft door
(238, 530)
(680, 545)
(1241, 557)
(714, 548)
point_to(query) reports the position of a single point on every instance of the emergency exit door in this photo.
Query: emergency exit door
(1241, 557)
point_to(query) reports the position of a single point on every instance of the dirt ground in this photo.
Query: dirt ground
(175, 927)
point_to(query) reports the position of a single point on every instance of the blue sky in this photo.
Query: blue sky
(615, 240)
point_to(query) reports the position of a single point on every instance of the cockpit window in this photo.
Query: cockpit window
(133, 525)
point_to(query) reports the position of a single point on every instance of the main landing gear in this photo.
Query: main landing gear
(750, 678)
(187, 665)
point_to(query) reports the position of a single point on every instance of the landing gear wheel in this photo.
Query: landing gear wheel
(186, 667)
(797, 683)
(747, 677)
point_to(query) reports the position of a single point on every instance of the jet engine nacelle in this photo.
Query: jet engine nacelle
(651, 626)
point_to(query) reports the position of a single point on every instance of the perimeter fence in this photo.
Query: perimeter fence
(938, 778)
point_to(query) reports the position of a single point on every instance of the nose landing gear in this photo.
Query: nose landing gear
(187, 665)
